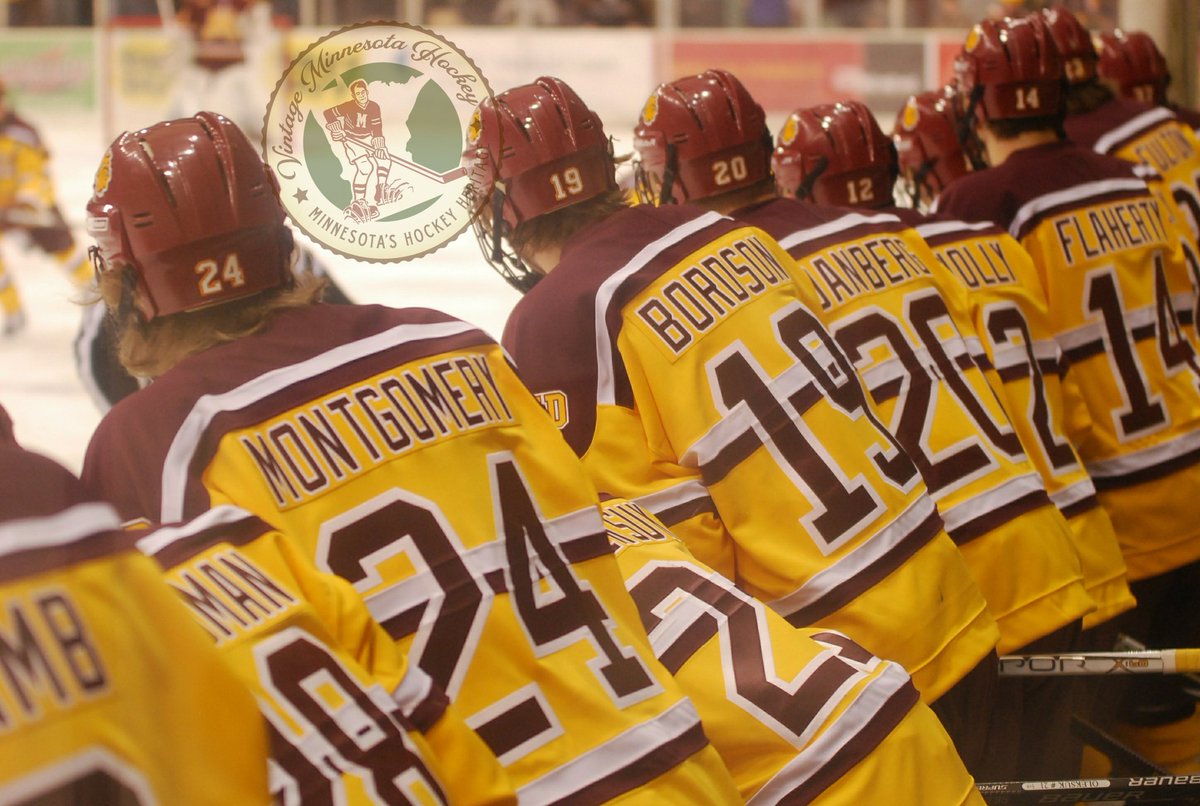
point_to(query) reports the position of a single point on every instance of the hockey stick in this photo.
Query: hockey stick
(1147, 789)
(1123, 758)
(1126, 643)
(443, 178)
(1150, 661)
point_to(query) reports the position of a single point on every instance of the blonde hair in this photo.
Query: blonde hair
(553, 229)
(148, 349)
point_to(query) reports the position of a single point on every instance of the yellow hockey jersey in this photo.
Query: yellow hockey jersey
(682, 364)
(869, 280)
(992, 286)
(24, 167)
(799, 715)
(350, 721)
(1104, 248)
(402, 453)
(108, 691)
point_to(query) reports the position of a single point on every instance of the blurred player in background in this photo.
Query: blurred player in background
(679, 360)
(1133, 67)
(1104, 244)
(29, 210)
(799, 715)
(112, 693)
(225, 43)
(378, 730)
(399, 450)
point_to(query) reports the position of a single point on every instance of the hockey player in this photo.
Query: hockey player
(111, 694)
(358, 125)
(1137, 132)
(798, 715)
(375, 730)
(1103, 244)
(993, 286)
(677, 355)
(868, 280)
(28, 209)
(1132, 66)
(399, 450)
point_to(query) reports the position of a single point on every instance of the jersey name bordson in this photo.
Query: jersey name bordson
(693, 299)
(343, 435)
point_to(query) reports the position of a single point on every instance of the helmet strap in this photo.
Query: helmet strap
(668, 177)
(804, 189)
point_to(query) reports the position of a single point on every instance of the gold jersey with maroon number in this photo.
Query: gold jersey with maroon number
(1104, 248)
(682, 365)
(349, 720)
(991, 284)
(108, 691)
(869, 281)
(799, 715)
(400, 450)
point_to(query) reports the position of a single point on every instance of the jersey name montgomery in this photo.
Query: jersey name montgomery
(1089, 233)
(306, 451)
(48, 657)
(702, 291)
(843, 272)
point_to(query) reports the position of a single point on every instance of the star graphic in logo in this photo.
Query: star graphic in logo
(300, 195)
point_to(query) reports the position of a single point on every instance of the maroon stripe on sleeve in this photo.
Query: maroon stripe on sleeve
(868, 577)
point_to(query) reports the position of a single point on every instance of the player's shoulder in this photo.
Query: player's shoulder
(47, 518)
(175, 544)
(20, 130)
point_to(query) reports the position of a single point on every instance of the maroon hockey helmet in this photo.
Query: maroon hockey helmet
(927, 136)
(1010, 69)
(700, 136)
(1073, 41)
(193, 210)
(835, 154)
(532, 150)
(1134, 63)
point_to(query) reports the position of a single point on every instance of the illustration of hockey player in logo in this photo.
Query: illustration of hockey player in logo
(358, 125)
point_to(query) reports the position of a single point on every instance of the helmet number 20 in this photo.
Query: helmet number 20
(214, 277)
(726, 171)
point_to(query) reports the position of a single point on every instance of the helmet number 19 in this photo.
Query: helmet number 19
(567, 183)
(215, 277)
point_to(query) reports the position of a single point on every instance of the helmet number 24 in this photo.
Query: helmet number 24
(215, 277)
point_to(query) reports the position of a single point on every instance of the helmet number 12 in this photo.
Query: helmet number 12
(215, 278)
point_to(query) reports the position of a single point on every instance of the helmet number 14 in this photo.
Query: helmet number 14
(215, 278)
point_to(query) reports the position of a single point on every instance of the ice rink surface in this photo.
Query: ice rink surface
(38, 382)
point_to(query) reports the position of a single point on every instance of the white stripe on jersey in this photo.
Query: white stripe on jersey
(821, 752)
(837, 225)
(1078, 194)
(49, 531)
(857, 560)
(1074, 493)
(935, 228)
(610, 758)
(605, 385)
(179, 456)
(677, 495)
(1131, 127)
(1008, 492)
(1145, 459)
(160, 538)
(1008, 355)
